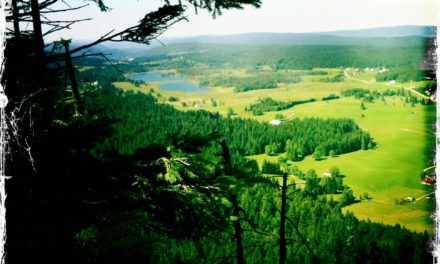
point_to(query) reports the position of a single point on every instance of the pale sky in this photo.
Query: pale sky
(273, 16)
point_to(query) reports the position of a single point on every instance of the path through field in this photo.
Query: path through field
(423, 196)
(390, 84)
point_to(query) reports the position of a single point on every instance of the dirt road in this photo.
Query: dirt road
(347, 76)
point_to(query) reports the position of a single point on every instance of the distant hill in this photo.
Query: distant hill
(390, 32)
(342, 37)
(112, 50)
(262, 43)
(297, 39)
(376, 37)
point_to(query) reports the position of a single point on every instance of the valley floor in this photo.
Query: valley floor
(388, 173)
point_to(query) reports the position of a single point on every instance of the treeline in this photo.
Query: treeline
(330, 97)
(241, 84)
(140, 116)
(331, 183)
(358, 93)
(404, 75)
(336, 78)
(301, 57)
(369, 96)
(102, 74)
(271, 168)
(297, 150)
(106, 74)
(248, 83)
(268, 104)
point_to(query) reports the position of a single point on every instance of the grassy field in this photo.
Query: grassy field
(388, 173)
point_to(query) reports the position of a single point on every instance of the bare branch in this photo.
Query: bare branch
(49, 22)
(63, 10)
(57, 28)
(29, 13)
(149, 28)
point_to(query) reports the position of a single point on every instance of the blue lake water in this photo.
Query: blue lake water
(178, 83)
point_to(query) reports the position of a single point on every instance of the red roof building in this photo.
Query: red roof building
(428, 180)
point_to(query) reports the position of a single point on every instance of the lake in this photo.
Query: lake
(178, 83)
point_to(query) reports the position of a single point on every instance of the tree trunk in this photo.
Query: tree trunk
(15, 19)
(72, 79)
(47, 96)
(283, 249)
(38, 33)
(237, 233)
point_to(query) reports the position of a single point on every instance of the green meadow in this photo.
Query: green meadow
(388, 173)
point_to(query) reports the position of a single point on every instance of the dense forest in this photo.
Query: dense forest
(139, 116)
(317, 230)
(280, 57)
(256, 223)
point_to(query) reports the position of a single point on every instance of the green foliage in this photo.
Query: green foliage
(428, 89)
(336, 78)
(333, 236)
(363, 107)
(370, 95)
(404, 75)
(280, 117)
(405, 52)
(347, 197)
(268, 104)
(358, 93)
(297, 149)
(272, 149)
(248, 83)
(271, 168)
(365, 196)
(138, 112)
(173, 99)
(319, 153)
(330, 97)
(312, 186)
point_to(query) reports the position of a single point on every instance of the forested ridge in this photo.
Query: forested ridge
(140, 117)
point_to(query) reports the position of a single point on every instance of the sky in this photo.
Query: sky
(273, 16)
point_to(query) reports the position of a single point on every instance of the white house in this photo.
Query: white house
(275, 122)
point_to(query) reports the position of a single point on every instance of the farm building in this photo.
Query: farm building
(275, 122)
(327, 174)
(428, 181)
(409, 199)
